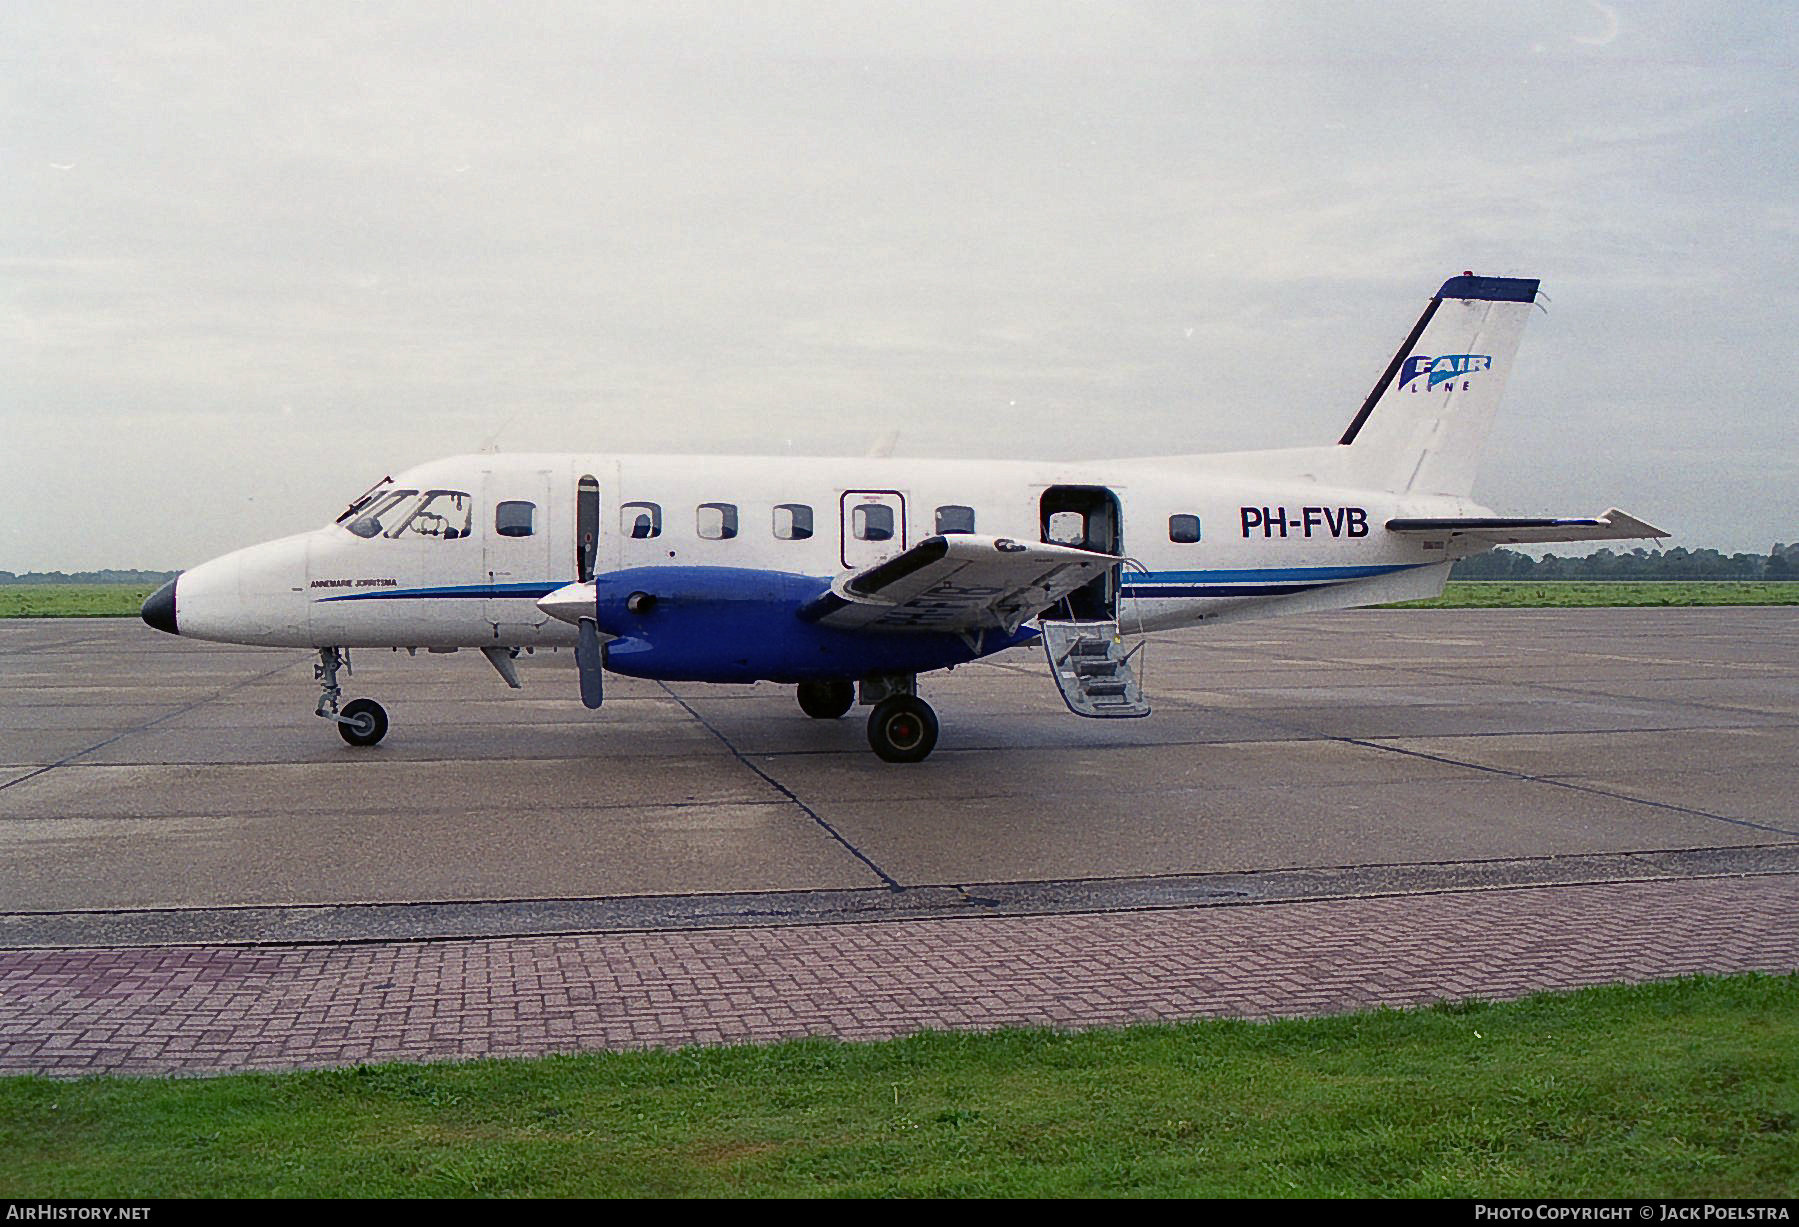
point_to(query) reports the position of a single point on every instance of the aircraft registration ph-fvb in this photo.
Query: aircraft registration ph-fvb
(849, 578)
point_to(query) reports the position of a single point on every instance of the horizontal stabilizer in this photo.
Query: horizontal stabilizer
(1614, 525)
(961, 583)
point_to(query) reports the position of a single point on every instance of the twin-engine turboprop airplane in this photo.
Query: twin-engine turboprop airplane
(849, 578)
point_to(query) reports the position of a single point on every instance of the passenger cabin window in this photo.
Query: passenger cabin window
(640, 521)
(1068, 528)
(514, 519)
(955, 518)
(872, 522)
(1183, 530)
(793, 521)
(717, 521)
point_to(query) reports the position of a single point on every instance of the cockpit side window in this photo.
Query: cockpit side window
(442, 515)
(377, 512)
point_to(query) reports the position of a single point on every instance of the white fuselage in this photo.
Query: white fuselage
(1216, 537)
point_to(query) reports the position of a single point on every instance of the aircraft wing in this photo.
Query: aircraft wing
(958, 583)
(1614, 525)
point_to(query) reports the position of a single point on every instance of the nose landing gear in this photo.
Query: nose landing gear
(361, 722)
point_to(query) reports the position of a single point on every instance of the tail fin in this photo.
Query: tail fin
(1422, 428)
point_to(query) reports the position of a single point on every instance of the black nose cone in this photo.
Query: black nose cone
(159, 608)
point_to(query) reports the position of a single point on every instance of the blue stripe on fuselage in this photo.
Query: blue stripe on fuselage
(1272, 575)
(462, 591)
(1165, 592)
(1266, 581)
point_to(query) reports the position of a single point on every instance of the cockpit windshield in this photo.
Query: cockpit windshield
(373, 514)
(363, 500)
(441, 515)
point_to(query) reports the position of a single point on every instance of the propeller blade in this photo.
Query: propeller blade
(588, 658)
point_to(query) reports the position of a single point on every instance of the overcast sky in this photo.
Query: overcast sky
(255, 256)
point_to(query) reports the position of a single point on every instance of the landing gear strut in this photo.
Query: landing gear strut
(362, 722)
(826, 700)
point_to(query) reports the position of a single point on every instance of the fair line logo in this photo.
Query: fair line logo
(1443, 370)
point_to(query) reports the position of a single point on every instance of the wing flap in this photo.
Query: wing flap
(1614, 525)
(958, 584)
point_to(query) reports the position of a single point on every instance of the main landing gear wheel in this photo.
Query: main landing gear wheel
(826, 700)
(902, 729)
(362, 722)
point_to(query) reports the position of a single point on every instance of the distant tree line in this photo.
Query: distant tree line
(88, 577)
(1782, 562)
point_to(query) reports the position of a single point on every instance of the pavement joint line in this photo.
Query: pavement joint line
(1557, 782)
(1304, 735)
(888, 879)
(1591, 691)
(1773, 719)
(150, 724)
(1509, 773)
(59, 645)
(599, 807)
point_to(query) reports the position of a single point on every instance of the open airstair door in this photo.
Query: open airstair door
(1087, 656)
(1093, 669)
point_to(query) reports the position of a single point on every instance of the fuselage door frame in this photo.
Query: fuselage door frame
(871, 526)
(1100, 520)
(512, 558)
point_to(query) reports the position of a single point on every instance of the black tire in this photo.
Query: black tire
(902, 729)
(367, 722)
(826, 700)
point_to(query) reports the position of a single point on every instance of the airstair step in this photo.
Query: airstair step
(1092, 668)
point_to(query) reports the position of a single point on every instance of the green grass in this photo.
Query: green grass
(72, 600)
(1574, 594)
(1683, 1089)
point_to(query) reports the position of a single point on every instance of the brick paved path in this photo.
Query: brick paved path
(217, 1009)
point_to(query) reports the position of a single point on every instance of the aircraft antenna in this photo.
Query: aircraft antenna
(492, 445)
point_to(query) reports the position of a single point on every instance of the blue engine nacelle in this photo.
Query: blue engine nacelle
(731, 624)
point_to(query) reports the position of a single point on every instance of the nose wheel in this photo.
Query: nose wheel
(902, 729)
(360, 722)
